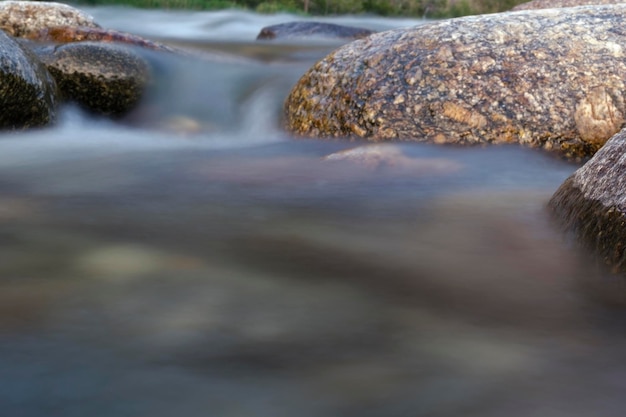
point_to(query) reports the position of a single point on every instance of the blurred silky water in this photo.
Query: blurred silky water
(194, 260)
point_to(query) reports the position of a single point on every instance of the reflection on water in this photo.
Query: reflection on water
(233, 271)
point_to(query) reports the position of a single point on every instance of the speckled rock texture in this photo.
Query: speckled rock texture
(592, 203)
(549, 4)
(552, 79)
(26, 18)
(299, 30)
(104, 78)
(27, 91)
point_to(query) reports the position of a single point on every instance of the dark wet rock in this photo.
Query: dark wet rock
(27, 18)
(550, 4)
(592, 203)
(295, 30)
(69, 34)
(553, 79)
(27, 91)
(104, 78)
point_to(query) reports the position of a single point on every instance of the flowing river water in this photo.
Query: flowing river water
(194, 260)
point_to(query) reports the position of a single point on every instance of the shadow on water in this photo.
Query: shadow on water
(233, 271)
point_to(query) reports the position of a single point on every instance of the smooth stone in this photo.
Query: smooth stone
(104, 78)
(299, 30)
(27, 18)
(591, 204)
(551, 79)
(27, 90)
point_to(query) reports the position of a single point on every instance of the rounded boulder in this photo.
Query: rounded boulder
(25, 19)
(552, 79)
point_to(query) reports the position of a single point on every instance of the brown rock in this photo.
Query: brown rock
(27, 18)
(551, 4)
(553, 79)
(104, 78)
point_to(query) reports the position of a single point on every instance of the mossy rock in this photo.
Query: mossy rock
(27, 91)
(552, 79)
(104, 78)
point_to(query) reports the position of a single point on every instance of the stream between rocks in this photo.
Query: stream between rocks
(194, 260)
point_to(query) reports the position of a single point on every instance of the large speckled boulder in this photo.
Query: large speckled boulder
(27, 91)
(553, 79)
(27, 18)
(549, 4)
(592, 203)
(308, 30)
(104, 78)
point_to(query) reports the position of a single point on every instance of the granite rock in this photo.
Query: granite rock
(550, 4)
(591, 204)
(552, 79)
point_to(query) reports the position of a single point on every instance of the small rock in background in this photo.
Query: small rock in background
(315, 30)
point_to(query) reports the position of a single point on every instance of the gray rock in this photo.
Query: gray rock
(550, 4)
(27, 18)
(300, 30)
(591, 204)
(27, 91)
(553, 79)
(105, 78)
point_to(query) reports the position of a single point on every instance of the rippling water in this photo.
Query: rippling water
(195, 260)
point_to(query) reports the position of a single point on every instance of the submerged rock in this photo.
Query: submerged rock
(27, 91)
(550, 4)
(553, 79)
(296, 30)
(104, 78)
(592, 203)
(68, 34)
(27, 18)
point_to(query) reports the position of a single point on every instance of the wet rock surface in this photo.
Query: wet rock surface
(592, 203)
(299, 30)
(552, 79)
(27, 18)
(549, 4)
(104, 78)
(27, 91)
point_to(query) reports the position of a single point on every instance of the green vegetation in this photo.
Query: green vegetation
(413, 8)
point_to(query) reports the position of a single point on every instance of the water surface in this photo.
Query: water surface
(195, 260)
